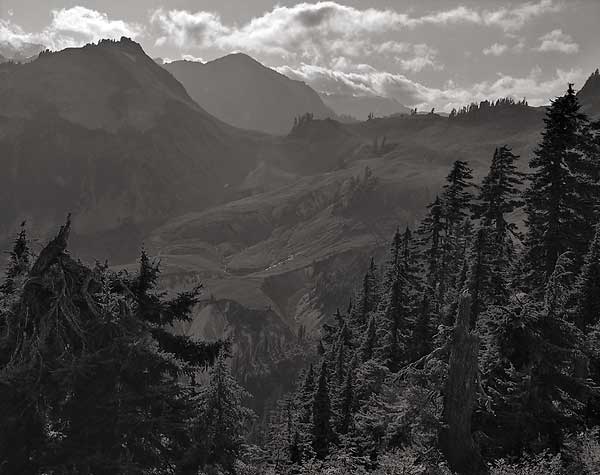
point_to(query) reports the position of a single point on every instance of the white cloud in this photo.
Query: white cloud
(323, 30)
(424, 57)
(536, 89)
(511, 19)
(558, 41)
(70, 27)
(496, 49)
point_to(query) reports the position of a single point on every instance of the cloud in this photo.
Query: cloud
(512, 19)
(188, 29)
(558, 41)
(424, 57)
(369, 82)
(496, 49)
(325, 30)
(70, 27)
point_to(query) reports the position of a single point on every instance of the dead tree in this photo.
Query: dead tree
(455, 438)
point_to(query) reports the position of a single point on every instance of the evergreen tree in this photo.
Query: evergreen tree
(345, 403)
(368, 298)
(587, 291)
(322, 432)
(19, 262)
(500, 194)
(457, 195)
(88, 384)
(367, 346)
(431, 240)
(220, 426)
(306, 395)
(563, 192)
(486, 278)
(423, 330)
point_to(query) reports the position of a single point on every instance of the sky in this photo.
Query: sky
(425, 53)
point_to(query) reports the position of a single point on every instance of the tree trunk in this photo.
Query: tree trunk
(455, 438)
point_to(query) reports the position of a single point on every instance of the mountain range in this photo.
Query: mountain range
(240, 91)
(272, 225)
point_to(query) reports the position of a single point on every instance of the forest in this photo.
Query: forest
(473, 349)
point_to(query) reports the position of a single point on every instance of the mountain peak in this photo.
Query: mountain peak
(107, 85)
(243, 92)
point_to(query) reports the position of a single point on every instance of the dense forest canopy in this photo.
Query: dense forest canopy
(473, 349)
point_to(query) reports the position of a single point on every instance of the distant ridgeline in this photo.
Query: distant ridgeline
(486, 108)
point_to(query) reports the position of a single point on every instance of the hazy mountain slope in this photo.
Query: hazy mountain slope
(242, 92)
(20, 53)
(292, 248)
(360, 107)
(104, 132)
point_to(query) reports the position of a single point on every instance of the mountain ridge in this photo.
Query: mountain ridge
(241, 91)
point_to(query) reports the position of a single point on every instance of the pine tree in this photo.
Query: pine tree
(345, 403)
(560, 200)
(322, 432)
(88, 372)
(367, 345)
(587, 291)
(220, 426)
(533, 358)
(486, 278)
(423, 329)
(457, 195)
(19, 262)
(431, 241)
(368, 298)
(500, 194)
(306, 395)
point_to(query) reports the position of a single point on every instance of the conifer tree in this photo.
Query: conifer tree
(500, 194)
(345, 403)
(367, 345)
(368, 298)
(562, 194)
(587, 290)
(322, 432)
(457, 195)
(486, 278)
(306, 395)
(19, 262)
(423, 330)
(431, 240)
(220, 426)
(96, 387)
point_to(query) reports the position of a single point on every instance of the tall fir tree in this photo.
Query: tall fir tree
(369, 340)
(431, 241)
(322, 431)
(457, 195)
(587, 290)
(486, 280)
(500, 194)
(368, 297)
(563, 191)
(220, 426)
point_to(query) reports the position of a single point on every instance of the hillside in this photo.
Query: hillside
(242, 92)
(119, 137)
(291, 247)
